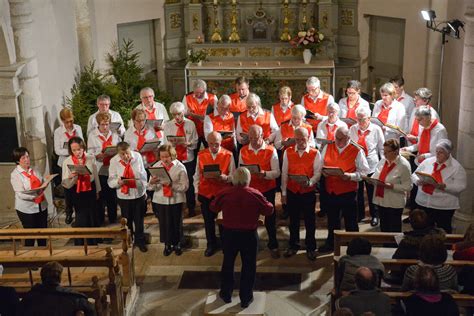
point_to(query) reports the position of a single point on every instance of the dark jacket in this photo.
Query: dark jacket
(8, 301)
(361, 301)
(54, 301)
(440, 304)
(410, 245)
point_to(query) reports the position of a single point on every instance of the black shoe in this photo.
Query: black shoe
(374, 222)
(209, 251)
(290, 252)
(225, 298)
(326, 248)
(68, 218)
(311, 255)
(143, 247)
(167, 251)
(321, 214)
(246, 303)
(177, 250)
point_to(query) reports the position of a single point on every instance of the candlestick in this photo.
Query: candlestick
(215, 2)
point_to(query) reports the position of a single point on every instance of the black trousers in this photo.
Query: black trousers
(190, 195)
(390, 219)
(270, 221)
(245, 242)
(442, 218)
(107, 197)
(36, 220)
(344, 204)
(132, 210)
(306, 203)
(170, 218)
(209, 221)
(361, 199)
(85, 204)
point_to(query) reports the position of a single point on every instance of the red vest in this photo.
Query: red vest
(263, 159)
(281, 117)
(262, 120)
(224, 124)
(318, 106)
(347, 162)
(210, 187)
(288, 131)
(237, 105)
(300, 166)
(198, 108)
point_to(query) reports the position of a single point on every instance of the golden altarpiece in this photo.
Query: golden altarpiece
(252, 38)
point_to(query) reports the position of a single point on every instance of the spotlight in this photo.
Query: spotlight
(428, 15)
(453, 28)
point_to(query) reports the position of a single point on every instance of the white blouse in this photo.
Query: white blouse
(60, 138)
(344, 108)
(116, 170)
(322, 131)
(170, 129)
(90, 164)
(94, 147)
(436, 134)
(115, 117)
(179, 185)
(132, 139)
(20, 183)
(374, 141)
(397, 116)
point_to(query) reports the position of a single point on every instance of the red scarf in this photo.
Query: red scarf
(168, 189)
(380, 191)
(351, 111)
(425, 139)
(150, 156)
(128, 174)
(34, 183)
(151, 116)
(361, 141)
(106, 142)
(383, 115)
(331, 130)
(83, 181)
(181, 149)
(416, 125)
(69, 136)
(399, 99)
(429, 188)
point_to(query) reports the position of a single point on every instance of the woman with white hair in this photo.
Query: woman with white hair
(255, 115)
(327, 128)
(316, 101)
(285, 136)
(353, 101)
(138, 134)
(422, 98)
(241, 206)
(390, 111)
(185, 149)
(441, 199)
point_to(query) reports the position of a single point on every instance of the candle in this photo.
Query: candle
(256, 64)
(240, 63)
(215, 2)
(278, 63)
(304, 1)
(285, 2)
(234, 2)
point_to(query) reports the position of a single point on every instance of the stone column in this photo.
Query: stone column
(83, 30)
(465, 153)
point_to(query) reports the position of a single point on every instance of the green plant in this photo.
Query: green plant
(196, 56)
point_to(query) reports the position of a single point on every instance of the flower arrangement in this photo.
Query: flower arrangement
(310, 39)
(197, 56)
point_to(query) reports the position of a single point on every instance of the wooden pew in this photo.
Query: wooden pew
(342, 238)
(463, 300)
(112, 288)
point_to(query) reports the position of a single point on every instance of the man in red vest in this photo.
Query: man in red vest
(208, 183)
(222, 120)
(239, 97)
(341, 189)
(316, 101)
(258, 155)
(300, 172)
(197, 104)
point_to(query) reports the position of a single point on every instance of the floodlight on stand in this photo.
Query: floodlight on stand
(428, 15)
(454, 26)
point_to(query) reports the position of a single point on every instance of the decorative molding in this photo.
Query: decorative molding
(260, 52)
(223, 52)
(175, 20)
(195, 22)
(347, 17)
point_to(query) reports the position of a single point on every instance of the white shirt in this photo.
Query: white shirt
(396, 116)
(159, 110)
(209, 126)
(94, 147)
(408, 102)
(374, 141)
(24, 202)
(273, 125)
(400, 177)
(362, 167)
(179, 185)
(317, 165)
(279, 138)
(274, 163)
(170, 129)
(436, 134)
(116, 170)
(90, 164)
(412, 119)
(132, 139)
(344, 108)
(212, 102)
(60, 138)
(197, 173)
(114, 118)
(322, 131)
(454, 176)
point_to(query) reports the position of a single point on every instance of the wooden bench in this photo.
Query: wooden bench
(463, 300)
(107, 294)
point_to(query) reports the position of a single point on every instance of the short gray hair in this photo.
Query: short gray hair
(446, 145)
(224, 99)
(215, 134)
(313, 82)
(177, 107)
(254, 99)
(363, 111)
(424, 93)
(423, 111)
(302, 131)
(199, 83)
(241, 177)
(342, 129)
(334, 106)
(145, 90)
(103, 97)
(298, 109)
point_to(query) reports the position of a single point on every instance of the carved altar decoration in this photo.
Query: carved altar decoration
(260, 27)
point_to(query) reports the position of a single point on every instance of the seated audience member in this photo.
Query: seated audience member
(343, 312)
(51, 299)
(428, 299)
(8, 300)
(366, 297)
(433, 253)
(440, 200)
(358, 255)
(464, 250)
